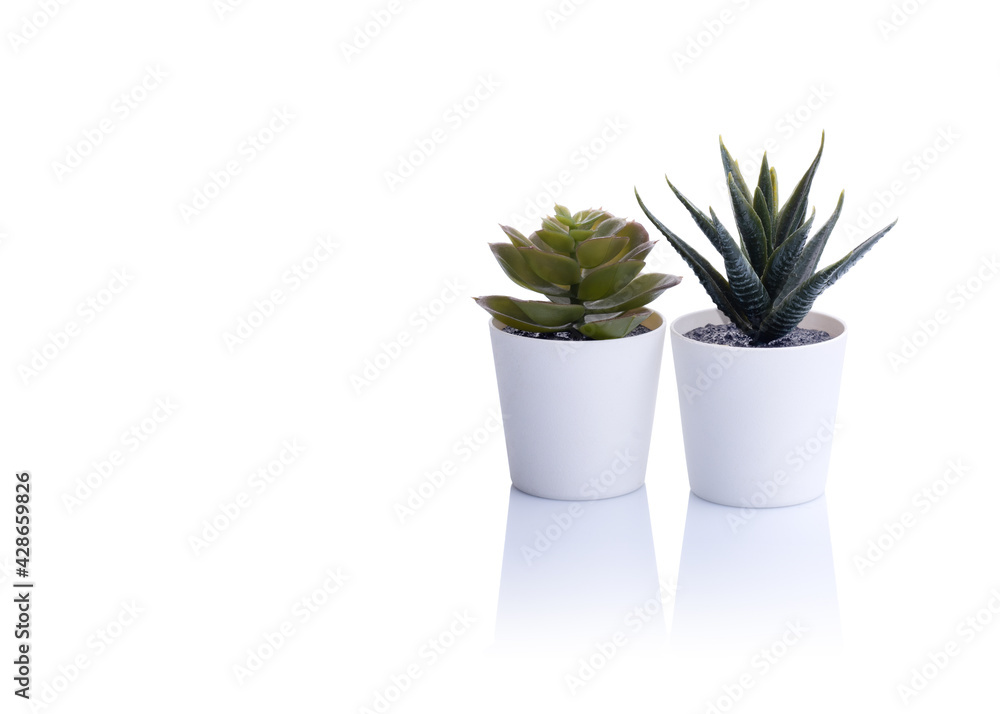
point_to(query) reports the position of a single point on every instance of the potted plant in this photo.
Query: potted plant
(578, 372)
(759, 377)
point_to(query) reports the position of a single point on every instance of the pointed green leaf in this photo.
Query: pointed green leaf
(553, 267)
(731, 166)
(808, 259)
(760, 208)
(607, 280)
(751, 229)
(774, 190)
(536, 241)
(598, 251)
(636, 234)
(702, 221)
(793, 213)
(764, 184)
(562, 211)
(788, 313)
(550, 314)
(518, 270)
(640, 251)
(745, 283)
(554, 226)
(605, 327)
(509, 311)
(609, 227)
(589, 219)
(715, 285)
(578, 234)
(516, 237)
(780, 264)
(559, 242)
(644, 289)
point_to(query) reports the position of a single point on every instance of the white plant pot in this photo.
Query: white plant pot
(578, 416)
(758, 422)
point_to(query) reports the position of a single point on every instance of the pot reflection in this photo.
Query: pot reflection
(575, 572)
(746, 573)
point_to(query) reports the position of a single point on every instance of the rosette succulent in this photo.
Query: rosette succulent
(772, 277)
(589, 267)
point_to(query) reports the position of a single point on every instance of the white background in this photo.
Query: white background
(908, 102)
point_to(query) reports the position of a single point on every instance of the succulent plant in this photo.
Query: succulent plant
(772, 277)
(589, 266)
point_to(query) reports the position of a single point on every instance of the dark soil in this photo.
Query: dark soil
(731, 336)
(567, 336)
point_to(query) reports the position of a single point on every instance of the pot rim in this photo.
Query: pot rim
(709, 312)
(657, 329)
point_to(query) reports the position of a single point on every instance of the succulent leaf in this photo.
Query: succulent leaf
(731, 166)
(610, 327)
(557, 241)
(553, 267)
(808, 260)
(793, 213)
(598, 251)
(516, 237)
(746, 284)
(715, 285)
(510, 313)
(607, 280)
(751, 230)
(639, 292)
(780, 264)
(518, 270)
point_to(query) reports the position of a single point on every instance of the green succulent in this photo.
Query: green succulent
(772, 277)
(589, 266)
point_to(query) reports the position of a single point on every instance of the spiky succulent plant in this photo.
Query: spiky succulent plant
(773, 280)
(588, 265)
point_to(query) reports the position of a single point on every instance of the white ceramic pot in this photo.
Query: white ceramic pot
(758, 422)
(578, 416)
